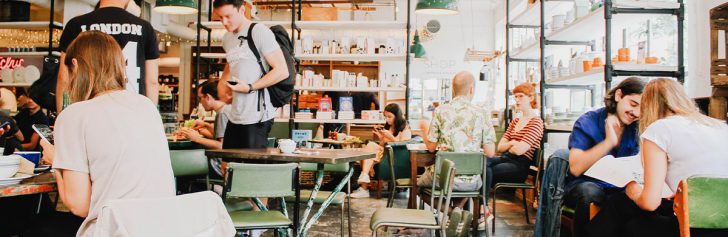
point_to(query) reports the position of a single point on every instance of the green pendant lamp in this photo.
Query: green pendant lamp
(417, 49)
(437, 7)
(176, 7)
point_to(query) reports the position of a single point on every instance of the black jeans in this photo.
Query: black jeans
(506, 169)
(620, 216)
(247, 136)
(579, 195)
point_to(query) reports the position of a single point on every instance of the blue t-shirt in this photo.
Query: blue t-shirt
(589, 131)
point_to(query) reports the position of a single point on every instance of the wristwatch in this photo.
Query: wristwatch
(250, 88)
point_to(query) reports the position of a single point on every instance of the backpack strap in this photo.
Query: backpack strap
(251, 45)
(254, 49)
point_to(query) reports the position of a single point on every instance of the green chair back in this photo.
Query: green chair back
(188, 162)
(260, 180)
(339, 168)
(707, 202)
(401, 161)
(447, 174)
(467, 163)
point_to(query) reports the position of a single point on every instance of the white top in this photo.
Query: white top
(244, 66)
(692, 148)
(118, 139)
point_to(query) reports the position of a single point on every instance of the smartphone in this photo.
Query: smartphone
(44, 132)
(5, 124)
(232, 82)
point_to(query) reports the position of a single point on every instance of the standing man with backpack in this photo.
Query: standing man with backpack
(258, 76)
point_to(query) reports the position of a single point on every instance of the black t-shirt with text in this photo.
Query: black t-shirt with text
(136, 37)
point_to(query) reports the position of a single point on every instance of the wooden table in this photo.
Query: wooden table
(319, 156)
(42, 183)
(343, 144)
(418, 158)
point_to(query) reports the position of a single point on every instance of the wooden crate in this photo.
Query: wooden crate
(719, 66)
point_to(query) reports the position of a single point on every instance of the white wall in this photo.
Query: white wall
(697, 82)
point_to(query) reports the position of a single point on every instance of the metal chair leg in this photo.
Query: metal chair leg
(525, 206)
(348, 206)
(495, 189)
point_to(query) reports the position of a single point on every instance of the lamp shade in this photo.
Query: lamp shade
(417, 49)
(437, 7)
(177, 7)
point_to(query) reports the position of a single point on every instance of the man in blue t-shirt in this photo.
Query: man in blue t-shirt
(611, 130)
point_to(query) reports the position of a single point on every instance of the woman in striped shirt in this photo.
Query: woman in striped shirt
(520, 142)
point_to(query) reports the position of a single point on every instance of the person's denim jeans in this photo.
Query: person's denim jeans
(548, 216)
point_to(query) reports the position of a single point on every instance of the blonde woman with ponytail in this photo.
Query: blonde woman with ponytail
(677, 142)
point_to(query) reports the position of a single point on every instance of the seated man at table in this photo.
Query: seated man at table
(460, 126)
(207, 93)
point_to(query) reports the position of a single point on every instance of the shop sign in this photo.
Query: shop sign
(10, 63)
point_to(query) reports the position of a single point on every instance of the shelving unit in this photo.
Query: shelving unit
(296, 25)
(597, 23)
(31, 25)
(16, 84)
(30, 54)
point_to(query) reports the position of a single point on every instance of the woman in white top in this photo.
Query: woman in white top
(395, 129)
(110, 143)
(677, 142)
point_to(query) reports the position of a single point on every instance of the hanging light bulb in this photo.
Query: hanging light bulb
(417, 49)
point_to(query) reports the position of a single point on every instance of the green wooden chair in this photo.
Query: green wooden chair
(535, 172)
(399, 174)
(401, 167)
(260, 180)
(341, 199)
(467, 163)
(700, 202)
(194, 163)
(189, 163)
(421, 219)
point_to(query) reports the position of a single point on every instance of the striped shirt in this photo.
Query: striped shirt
(532, 134)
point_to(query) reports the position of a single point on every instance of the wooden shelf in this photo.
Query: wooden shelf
(28, 25)
(560, 127)
(531, 15)
(348, 121)
(29, 54)
(592, 77)
(351, 89)
(326, 25)
(352, 57)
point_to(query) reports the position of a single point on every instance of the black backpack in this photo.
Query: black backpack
(43, 90)
(282, 92)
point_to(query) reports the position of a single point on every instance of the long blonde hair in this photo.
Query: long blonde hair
(100, 66)
(663, 97)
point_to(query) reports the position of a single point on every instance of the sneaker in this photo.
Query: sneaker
(363, 179)
(360, 193)
(488, 217)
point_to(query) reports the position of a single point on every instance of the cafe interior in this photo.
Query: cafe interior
(363, 118)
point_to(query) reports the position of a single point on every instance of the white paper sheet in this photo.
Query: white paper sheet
(620, 171)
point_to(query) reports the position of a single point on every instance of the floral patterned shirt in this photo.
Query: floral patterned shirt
(460, 126)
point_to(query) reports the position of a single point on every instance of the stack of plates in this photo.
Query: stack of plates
(13, 180)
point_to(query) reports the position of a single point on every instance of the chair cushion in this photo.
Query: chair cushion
(394, 216)
(320, 197)
(259, 219)
(404, 182)
(238, 204)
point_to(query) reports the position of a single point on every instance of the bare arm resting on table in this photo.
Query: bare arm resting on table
(74, 188)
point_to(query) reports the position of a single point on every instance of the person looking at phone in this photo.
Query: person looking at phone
(252, 113)
(29, 114)
(109, 143)
(395, 129)
(207, 94)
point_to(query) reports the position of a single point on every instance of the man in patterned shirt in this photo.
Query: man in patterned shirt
(460, 126)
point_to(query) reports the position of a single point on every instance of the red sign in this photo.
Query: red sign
(9, 62)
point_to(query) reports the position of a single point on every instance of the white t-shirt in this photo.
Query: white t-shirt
(244, 66)
(692, 148)
(118, 139)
